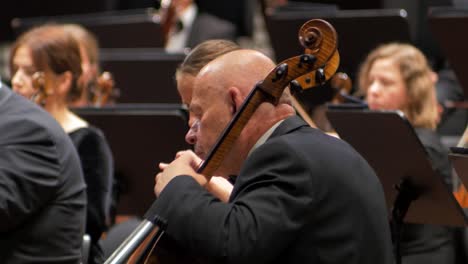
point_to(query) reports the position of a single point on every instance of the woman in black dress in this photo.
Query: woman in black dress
(46, 67)
(397, 76)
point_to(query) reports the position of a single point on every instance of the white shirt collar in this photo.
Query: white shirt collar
(265, 136)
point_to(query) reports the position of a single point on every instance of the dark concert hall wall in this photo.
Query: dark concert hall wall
(34, 8)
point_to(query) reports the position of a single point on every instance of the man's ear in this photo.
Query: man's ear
(235, 99)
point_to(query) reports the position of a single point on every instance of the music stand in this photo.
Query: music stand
(453, 42)
(140, 136)
(135, 28)
(359, 31)
(390, 145)
(143, 75)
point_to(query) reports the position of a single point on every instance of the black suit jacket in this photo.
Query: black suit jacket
(42, 191)
(301, 197)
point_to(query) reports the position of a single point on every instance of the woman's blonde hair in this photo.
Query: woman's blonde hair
(421, 108)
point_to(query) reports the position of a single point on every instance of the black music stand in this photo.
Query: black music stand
(359, 31)
(414, 191)
(143, 75)
(134, 28)
(448, 24)
(28, 8)
(140, 136)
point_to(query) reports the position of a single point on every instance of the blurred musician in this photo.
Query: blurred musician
(185, 26)
(397, 77)
(46, 67)
(201, 55)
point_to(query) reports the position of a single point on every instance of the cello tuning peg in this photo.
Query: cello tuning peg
(307, 59)
(320, 76)
(295, 87)
(281, 71)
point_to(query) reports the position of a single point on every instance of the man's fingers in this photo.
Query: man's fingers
(163, 165)
(180, 153)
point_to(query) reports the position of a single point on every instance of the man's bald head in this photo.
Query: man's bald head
(219, 91)
(242, 68)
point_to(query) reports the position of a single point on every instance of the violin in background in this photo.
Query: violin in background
(104, 91)
(97, 91)
(341, 85)
(40, 93)
(314, 102)
(168, 15)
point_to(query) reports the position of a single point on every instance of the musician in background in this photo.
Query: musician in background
(54, 53)
(398, 77)
(449, 90)
(201, 55)
(198, 57)
(189, 27)
(42, 191)
(300, 195)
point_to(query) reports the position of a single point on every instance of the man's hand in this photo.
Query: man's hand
(186, 163)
